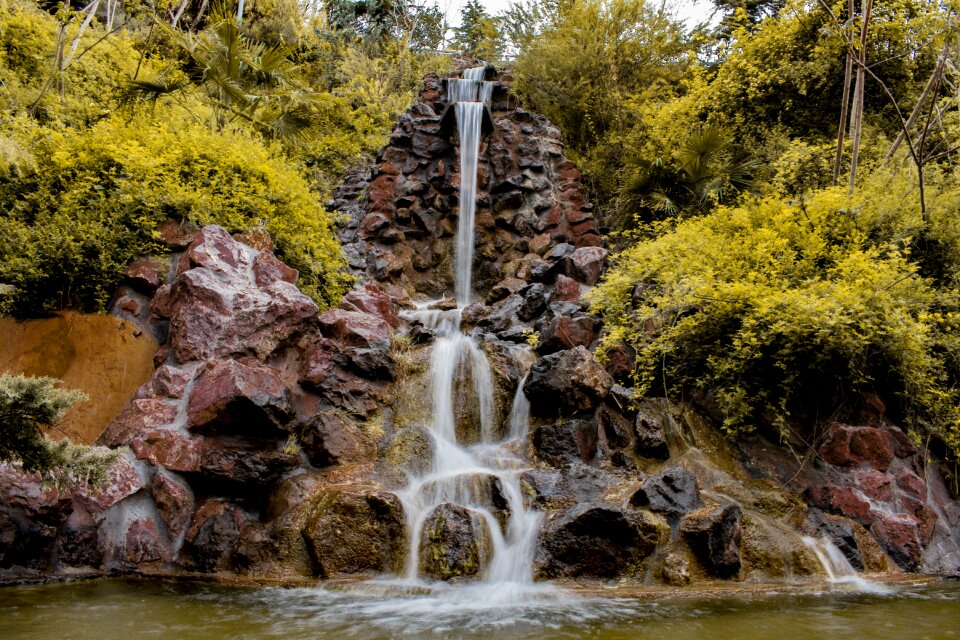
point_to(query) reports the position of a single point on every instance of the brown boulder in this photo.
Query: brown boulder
(452, 543)
(564, 442)
(597, 541)
(355, 530)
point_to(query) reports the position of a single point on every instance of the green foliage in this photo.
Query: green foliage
(592, 63)
(95, 196)
(28, 405)
(86, 173)
(709, 172)
(478, 35)
(787, 310)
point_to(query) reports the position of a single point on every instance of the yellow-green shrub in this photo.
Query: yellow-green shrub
(93, 198)
(788, 309)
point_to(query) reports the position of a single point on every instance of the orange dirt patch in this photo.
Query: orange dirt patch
(107, 358)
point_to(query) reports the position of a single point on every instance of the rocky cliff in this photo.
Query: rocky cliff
(271, 441)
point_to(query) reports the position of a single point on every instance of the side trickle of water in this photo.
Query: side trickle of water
(460, 376)
(836, 566)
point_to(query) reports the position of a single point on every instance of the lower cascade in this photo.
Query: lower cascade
(466, 515)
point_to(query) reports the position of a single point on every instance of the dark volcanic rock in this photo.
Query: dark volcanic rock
(673, 492)
(564, 442)
(837, 530)
(355, 530)
(651, 440)
(451, 543)
(597, 541)
(566, 383)
(247, 470)
(211, 538)
(30, 517)
(714, 536)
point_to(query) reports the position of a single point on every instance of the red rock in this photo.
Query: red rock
(175, 235)
(564, 332)
(382, 189)
(139, 416)
(540, 243)
(318, 363)
(371, 299)
(576, 217)
(843, 500)
(146, 274)
(568, 171)
(587, 264)
(235, 398)
(355, 329)
(142, 544)
(267, 270)
(167, 448)
(899, 535)
(373, 224)
(130, 306)
(214, 249)
(122, 481)
(216, 310)
(566, 289)
(257, 239)
(551, 219)
(175, 502)
(875, 485)
(848, 445)
(330, 438)
(620, 362)
(166, 382)
(162, 301)
(912, 484)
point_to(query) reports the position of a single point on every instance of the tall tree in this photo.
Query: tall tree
(478, 35)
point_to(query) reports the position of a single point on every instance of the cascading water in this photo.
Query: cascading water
(471, 458)
(837, 568)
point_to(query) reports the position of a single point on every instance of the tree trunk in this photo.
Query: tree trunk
(844, 106)
(856, 118)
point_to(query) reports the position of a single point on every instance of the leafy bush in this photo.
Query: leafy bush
(28, 405)
(90, 200)
(788, 310)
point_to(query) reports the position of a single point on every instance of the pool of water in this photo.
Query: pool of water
(131, 609)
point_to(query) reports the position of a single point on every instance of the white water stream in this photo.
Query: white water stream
(837, 568)
(472, 465)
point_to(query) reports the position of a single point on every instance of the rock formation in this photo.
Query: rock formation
(271, 441)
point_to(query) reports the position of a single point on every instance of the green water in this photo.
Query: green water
(128, 609)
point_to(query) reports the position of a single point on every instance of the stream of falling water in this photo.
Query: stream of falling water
(473, 466)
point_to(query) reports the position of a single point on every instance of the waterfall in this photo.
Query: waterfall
(836, 566)
(472, 467)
